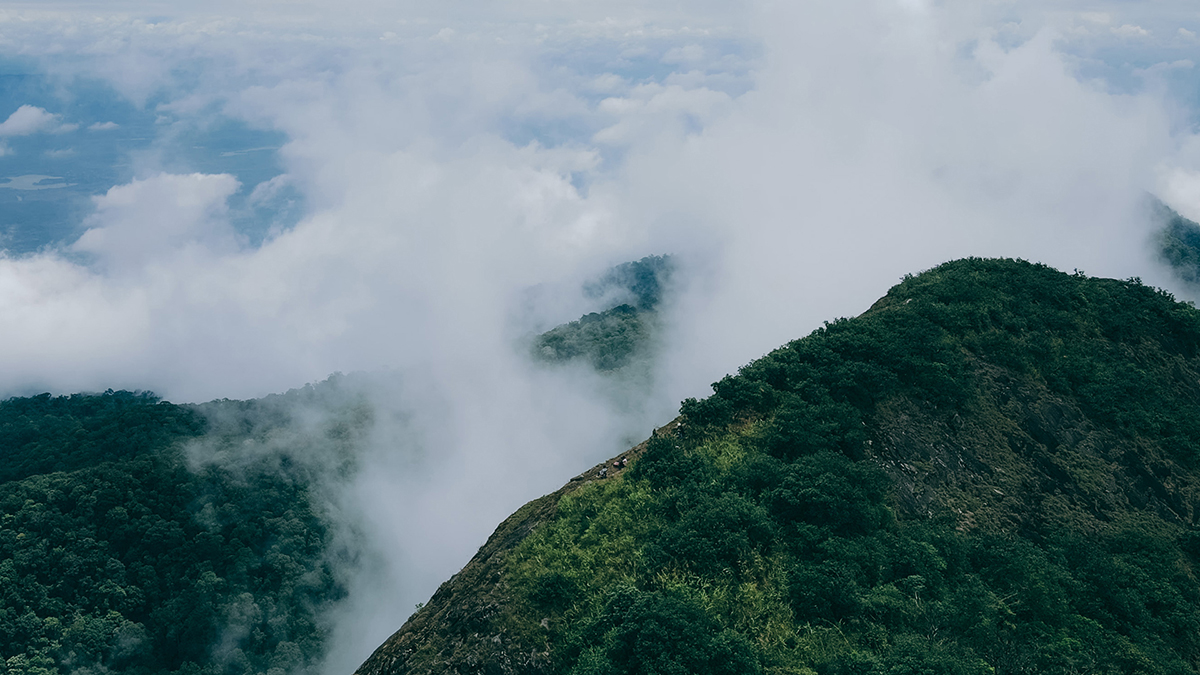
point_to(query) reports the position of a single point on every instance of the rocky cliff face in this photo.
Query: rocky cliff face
(995, 469)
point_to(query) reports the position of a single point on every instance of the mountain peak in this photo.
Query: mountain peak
(994, 469)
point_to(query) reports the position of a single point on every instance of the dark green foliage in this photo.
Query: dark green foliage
(714, 535)
(771, 516)
(654, 634)
(644, 280)
(554, 593)
(1075, 333)
(608, 339)
(800, 428)
(827, 490)
(910, 655)
(667, 467)
(714, 411)
(617, 336)
(45, 433)
(132, 562)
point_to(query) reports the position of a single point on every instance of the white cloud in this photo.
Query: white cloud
(914, 5)
(1187, 34)
(270, 189)
(103, 126)
(691, 53)
(1130, 31)
(1180, 188)
(608, 83)
(150, 221)
(29, 119)
(1158, 69)
(649, 110)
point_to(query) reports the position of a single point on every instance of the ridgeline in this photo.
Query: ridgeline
(996, 469)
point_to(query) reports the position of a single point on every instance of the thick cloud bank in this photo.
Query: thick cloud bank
(801, 160)
(797, 158)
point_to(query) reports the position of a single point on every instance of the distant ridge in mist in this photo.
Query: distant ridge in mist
(1177, 242)
(613, 338)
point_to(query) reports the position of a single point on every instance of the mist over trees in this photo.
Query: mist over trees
(1177, 241)
(115, 555)
(619, 335)
(993, 469)
(148, 537)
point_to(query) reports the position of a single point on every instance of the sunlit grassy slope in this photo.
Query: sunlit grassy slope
(993, 470)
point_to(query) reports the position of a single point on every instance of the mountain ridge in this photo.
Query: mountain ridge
(996, 453)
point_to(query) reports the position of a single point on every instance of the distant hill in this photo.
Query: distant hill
(613, 338)
(996, 469)
(1177, 241)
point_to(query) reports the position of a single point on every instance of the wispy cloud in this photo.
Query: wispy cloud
(1130, 31)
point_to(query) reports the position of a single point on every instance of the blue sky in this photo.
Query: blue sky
(95, 147)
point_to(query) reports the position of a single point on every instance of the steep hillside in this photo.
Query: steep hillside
(996, 469)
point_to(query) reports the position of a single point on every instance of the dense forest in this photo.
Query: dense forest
(116, 554)
(996, 469)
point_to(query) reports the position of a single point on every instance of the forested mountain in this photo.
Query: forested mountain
(996, 469)
(117, 556)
